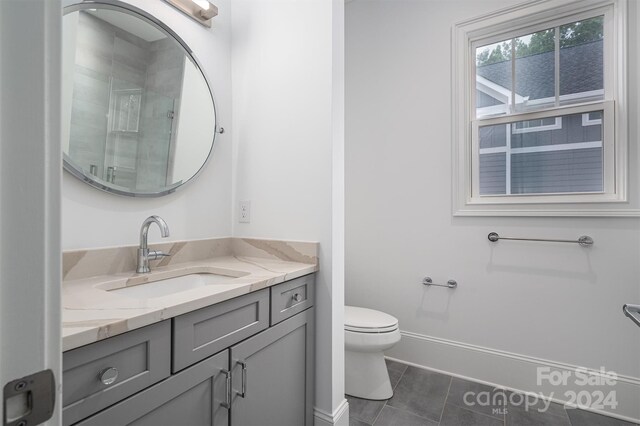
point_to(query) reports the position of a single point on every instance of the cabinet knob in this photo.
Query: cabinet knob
(108, 376)
(296, 297)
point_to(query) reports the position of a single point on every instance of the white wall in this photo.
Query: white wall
(553, 302)
(200, 209)
(287, 85)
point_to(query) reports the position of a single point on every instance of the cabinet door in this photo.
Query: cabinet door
(278, 377)
(194, 397)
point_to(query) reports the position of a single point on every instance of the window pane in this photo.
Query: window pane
(492, 174)
(578, 170)
(581, 61)
(553, 155)
(493, 136)
(535, 70)
(493, 78)
(493, 159)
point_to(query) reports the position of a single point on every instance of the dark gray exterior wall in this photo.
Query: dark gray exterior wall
(492, 174)
(579, 170)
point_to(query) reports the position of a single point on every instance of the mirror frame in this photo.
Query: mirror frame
(119, 6)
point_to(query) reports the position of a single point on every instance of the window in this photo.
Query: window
(540, 115)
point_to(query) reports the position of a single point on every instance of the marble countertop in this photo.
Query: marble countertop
(92, 311)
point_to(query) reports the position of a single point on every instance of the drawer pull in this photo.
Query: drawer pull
(108, 376)
(243, 393)
(227, 397)
(297, 298)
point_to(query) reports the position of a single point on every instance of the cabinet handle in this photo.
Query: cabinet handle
(296, 297)
(243, 394)
(108, 376)
(227, 397)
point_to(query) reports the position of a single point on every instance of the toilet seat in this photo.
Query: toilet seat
(363, 320)
(371, 330)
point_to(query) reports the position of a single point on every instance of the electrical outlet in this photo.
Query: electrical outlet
(244, 212)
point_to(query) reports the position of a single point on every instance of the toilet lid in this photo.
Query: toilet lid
(365, 320)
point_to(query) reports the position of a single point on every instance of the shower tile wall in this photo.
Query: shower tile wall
(129, 68)
(111, 63)
(163, 84)
(90, 105)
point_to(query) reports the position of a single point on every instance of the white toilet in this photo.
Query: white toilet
(367, 334)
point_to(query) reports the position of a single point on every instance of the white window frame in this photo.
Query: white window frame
(586, 121)
(525, 19)
(541, 128)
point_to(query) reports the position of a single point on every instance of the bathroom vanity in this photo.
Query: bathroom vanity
(207, 332)
(238, 351)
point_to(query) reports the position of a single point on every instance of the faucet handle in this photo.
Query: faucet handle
(157, 254)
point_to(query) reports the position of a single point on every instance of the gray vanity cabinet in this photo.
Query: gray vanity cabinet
(102, 373)
(209, 330)
(230, 367)
(193, 397)
(273, 375)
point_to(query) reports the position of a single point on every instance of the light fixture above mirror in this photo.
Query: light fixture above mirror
(200, 10)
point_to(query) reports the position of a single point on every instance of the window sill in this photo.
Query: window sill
(483, 210)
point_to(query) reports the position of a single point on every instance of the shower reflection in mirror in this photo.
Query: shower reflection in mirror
(139, 116)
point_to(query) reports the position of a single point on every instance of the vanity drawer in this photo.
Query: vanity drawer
(141, 358)
(291, 297)
(202, 333)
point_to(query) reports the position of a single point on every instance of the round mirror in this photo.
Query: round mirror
(138, 113)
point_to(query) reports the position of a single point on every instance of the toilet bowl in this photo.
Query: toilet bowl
(367, 334)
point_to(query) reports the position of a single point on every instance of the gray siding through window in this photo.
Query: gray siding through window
(536, 166)
(493, 136)
(572, 131)
(577, 170)
(493, 174)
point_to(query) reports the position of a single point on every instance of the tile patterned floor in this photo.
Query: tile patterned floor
(427, 398)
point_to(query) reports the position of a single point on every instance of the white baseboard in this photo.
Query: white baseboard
(340, 417)
(515, 372)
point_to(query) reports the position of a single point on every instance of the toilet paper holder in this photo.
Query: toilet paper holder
(450, 284)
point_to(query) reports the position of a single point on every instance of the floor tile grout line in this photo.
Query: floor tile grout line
(401, 376)
(564, 407)
(506, 410)
(465, 407)
(410, 413)
(350, 413)
(479, 413)
(392, 391)
(379, 412)
(445, 399)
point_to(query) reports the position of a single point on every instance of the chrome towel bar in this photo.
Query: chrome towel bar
(450, 283)
(629, 310)
(584, 241)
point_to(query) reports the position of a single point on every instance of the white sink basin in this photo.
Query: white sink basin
(171, 286)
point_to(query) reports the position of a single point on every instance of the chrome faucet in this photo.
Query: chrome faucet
(144, 254)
